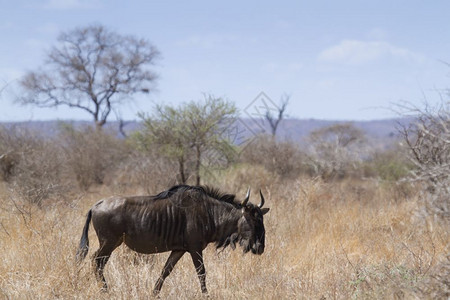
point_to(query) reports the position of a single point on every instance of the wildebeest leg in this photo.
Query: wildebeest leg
(101, 257)
(174, 257)
(197, 259)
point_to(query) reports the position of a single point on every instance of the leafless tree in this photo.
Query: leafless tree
(427, 138)
(121, 124)
(275, 121)
(2, 88)
(92, 69)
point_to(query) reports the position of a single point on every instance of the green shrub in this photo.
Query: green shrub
(390, 165)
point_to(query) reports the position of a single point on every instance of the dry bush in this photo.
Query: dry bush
(241, 177)
(437, 285)
(336, 151)
(91, 154)
(38, 175)
(35, 166)
(283, 158)
(148, 172)
(427, 139)
(12, 140)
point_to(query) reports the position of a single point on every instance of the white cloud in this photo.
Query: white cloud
(360, 52)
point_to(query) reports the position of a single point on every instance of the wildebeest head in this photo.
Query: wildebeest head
(251, 232)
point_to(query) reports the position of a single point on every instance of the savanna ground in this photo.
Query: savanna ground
(346, 239)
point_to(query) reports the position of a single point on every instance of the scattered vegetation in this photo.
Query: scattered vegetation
(361, 234)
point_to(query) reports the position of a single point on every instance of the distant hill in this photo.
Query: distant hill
(382, 133)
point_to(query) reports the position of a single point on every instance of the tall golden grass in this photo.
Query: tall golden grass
(344, 240)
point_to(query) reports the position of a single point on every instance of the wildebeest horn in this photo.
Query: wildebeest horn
(262, 199)
(244, 203)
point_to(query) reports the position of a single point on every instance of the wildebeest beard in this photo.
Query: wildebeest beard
(232, 240)
(245, 244)
(228, 241)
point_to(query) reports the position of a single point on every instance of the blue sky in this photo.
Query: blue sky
(338, 60)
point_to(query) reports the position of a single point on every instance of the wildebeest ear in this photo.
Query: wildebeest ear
(265, 210)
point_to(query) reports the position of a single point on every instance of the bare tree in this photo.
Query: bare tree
(121, 124)
(275, 121)
(3, 88)
(92, 69)
(427, 138)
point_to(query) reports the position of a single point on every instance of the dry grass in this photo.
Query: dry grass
(346, 240)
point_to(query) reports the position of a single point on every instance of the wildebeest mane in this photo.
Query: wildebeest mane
(171, 191)
(205, 190)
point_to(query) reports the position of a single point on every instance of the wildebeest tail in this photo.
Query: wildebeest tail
(84, 241)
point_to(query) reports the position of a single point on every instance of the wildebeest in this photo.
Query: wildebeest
(182, 219)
